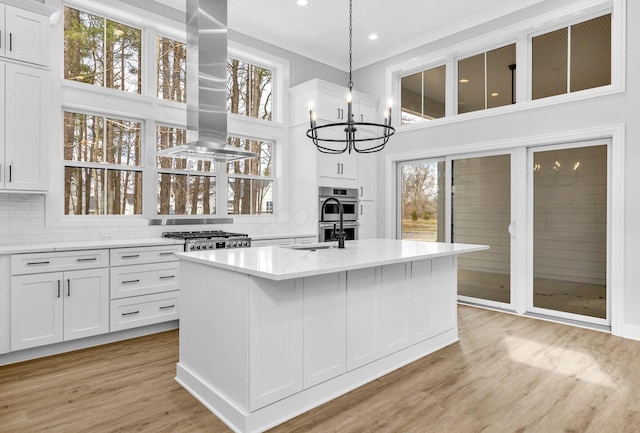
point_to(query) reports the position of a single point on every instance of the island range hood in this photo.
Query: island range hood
(207, 103)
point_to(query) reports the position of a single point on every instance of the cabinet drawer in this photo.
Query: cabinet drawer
(58, 261)
(138, 255)
(143, 310)
(144, 279)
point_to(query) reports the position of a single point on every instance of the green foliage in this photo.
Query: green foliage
(426, 216)
(414, 215)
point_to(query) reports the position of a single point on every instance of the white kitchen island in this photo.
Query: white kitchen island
(268, 333)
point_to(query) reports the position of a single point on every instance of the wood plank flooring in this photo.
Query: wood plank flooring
(507, 374)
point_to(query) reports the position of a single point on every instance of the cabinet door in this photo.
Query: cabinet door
(36, 310)
(367, 218)
(422, 300)
(367, 109)
(26, 128)
(3, 32)
(339, 166)
(325, 328)
(395, 304)
(86, 303)
(363, 303)
(367, 168)
(331, 105)
(26, 36)
(275, 339)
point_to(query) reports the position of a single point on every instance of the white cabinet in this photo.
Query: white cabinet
(378, 306)
(275, 332)
(367, 219)
(325, 328)
(57, 306)
(24, 35)
(339, 166)
(144, 286)
(367, 170)
(24, 128)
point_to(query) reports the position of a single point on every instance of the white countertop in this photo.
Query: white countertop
(86, 245)
(282, 263)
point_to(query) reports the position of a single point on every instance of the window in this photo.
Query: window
(249, 89)
(487, 80)
(102, 52)
(185, 187)
(171, 69)
(102, 173)
(577, 57)
(250, 181)
(106, 156)
(423, 96)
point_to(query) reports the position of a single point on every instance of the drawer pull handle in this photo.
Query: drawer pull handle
(167, 277)
(167, 307)
(131, 256)
(170, 253)
(37, 263)
(88, 259)
(131, 313)
(68, 287)
(130, 281)
(58, 288)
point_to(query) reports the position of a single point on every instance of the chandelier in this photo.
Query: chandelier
(327, 142)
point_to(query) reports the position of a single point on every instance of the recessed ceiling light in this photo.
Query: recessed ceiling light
(495, 94)
(464, 80)
(302, 2)
(373, 37)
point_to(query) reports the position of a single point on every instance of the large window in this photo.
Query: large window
(249, 89)
(106, 155)
(487, 80)
(576, 58)
(423, 95)
(102, 173)
(102, 52)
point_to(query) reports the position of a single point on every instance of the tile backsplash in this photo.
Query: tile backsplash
(22, 221)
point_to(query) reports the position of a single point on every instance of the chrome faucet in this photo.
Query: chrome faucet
(339, 235)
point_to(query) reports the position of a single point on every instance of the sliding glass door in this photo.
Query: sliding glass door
(569, 232)
(481, 214)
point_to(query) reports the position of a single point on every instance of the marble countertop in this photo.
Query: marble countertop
(86, 245)
(282, 263)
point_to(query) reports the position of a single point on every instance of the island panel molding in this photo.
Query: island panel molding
(258, 350)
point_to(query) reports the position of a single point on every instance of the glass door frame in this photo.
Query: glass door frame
(516, 157)
(530, 308)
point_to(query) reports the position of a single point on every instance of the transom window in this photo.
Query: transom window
(577, 57)
(249, 89)
(423, 95)
(102, 52)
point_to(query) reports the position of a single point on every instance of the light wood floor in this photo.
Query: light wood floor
(507, 374)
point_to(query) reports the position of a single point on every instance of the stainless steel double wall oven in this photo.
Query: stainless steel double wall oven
(348, 197)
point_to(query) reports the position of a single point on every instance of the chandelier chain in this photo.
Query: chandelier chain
(350, 42)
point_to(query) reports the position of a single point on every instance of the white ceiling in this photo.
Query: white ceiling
(320, 30)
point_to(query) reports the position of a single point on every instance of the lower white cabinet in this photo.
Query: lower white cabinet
(367, 219)
(325, 327)
(378, 307)
(58, 306)
(144, 285)
(144, 310)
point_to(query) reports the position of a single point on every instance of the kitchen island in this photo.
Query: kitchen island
(268, 333)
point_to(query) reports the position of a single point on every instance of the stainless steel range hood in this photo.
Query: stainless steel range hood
(207, 103)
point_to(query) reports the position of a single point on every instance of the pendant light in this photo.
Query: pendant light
(326, 137)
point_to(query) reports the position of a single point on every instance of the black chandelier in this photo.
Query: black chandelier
(351, 140)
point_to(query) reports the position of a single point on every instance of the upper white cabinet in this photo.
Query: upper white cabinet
(24, 35)
(24, 128)
(339, 166)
